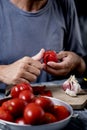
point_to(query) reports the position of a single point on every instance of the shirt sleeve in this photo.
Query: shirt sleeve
(72, 41)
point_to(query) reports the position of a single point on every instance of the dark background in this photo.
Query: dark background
(81, 7)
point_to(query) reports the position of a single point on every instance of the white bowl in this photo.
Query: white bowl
(5, 125)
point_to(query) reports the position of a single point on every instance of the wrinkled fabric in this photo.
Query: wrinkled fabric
(79, 122)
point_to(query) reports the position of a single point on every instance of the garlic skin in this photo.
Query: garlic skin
(71, 86)
(70, 93)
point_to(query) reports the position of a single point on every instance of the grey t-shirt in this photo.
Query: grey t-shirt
(23, 33)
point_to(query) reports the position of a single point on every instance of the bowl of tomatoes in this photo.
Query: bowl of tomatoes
(24, 110)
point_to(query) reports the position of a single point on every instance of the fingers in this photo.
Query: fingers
(60, 72)
(30, 77)
(29, 74)
(27, 62)
(19, 80)
(33, 70)
(62, 54)
(39, 56)
(57, 69)
(37, 65)
(57, 66)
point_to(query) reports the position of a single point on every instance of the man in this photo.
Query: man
(26, 26)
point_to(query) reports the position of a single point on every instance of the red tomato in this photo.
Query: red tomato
(38, 89)
(41, 90)
(61, 112)
(46, 93)
(20, 87)
(20, 121)
(49, 118)
(33, 114)
(26, 95)
(50, 55)
(45, 103)
(5, 115)
(15, 106)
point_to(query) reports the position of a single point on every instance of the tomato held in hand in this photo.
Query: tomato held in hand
(45, 103)
(26, 95)
(50, 55)
(33, 114)
(20, 87)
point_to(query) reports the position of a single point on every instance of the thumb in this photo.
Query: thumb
(39, 55)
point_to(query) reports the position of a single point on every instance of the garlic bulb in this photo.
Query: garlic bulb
(71, 86)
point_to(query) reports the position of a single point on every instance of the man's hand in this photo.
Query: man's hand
(26, 70)
(69, 61)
